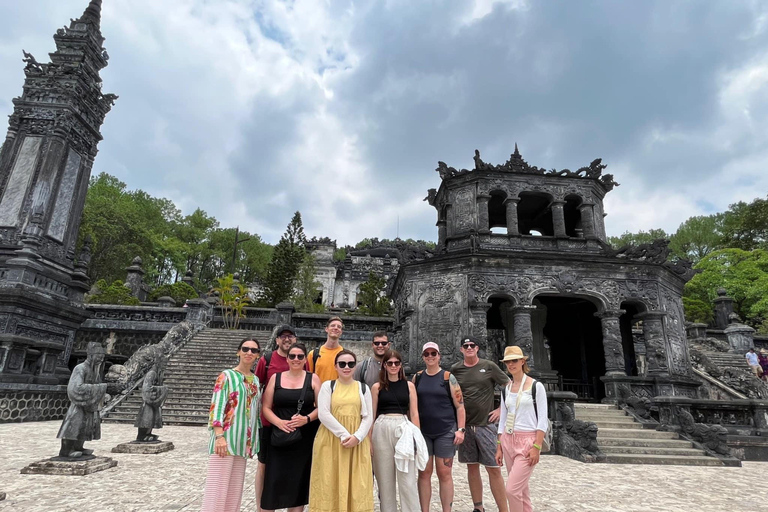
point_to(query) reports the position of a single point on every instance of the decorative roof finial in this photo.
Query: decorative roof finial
(517, 153)
(92, 12)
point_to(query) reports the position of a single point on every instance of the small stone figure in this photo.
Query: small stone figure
(86, 392)
(154, 393)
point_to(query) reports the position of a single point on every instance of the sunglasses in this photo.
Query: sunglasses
(252, 350)
(381, 343)
(300, 357)
(429, 354)
(469, 346)
(286, 336)
(346, 364)
(393, 364)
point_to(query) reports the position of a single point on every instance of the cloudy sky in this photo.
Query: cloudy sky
(252, 109)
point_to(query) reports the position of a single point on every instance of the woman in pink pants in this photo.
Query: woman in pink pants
(522, 427)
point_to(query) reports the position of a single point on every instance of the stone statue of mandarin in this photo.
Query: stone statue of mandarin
(153, 393)
(86, 393)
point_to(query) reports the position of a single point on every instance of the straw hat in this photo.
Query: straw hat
(512, 353)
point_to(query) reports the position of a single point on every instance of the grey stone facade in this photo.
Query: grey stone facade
(522, 260)
(45, 165)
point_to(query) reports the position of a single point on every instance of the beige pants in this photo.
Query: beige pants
(389, 479)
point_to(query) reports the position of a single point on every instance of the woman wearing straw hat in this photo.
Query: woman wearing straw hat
(522, 427)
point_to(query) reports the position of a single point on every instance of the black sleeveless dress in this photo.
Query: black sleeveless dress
(286, 478)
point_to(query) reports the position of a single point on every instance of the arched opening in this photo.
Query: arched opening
(319, 297)
(499, 326)
(632, 338)
(535, 214)
(573, 339)
(497, 212)
(572, 215)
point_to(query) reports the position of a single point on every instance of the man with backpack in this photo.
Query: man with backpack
(270, 364)
(322, 360)
(367, 372)
(478, 379)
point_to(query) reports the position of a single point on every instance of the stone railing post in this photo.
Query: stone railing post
(523, 331)
(655, 343)
(740, 337)
(612, 347)
(512, 222)
(587, 220)
(199, 311)
(134, 279)
(285, 312)
(558, 218)
(483, 226)
(723, 309)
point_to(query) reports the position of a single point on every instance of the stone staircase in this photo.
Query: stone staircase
(625, 441)
(723, 359)
(190, 375)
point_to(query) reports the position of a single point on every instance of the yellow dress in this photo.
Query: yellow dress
(342, 478)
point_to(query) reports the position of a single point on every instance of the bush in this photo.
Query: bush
(179, 291)
(115, 293)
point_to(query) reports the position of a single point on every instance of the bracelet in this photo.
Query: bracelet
(498, 441)
(537, 446)
(219, 436)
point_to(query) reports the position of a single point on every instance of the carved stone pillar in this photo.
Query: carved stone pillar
(612, 347)
(587, 220)
(540, 351)
(512, 223)
(723, 309)
(558, 218)
(483, 226)
(655, 342)
(523, 331)
(441, 234)
(478, 321)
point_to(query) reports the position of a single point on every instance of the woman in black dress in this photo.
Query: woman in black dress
(288, 468)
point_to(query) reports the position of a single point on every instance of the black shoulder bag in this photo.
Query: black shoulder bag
(281, 438)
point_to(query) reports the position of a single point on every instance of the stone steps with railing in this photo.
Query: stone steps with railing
(190, 376)
(625, 441)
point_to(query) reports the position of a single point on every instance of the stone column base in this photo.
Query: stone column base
(144, 448)
(69, 467)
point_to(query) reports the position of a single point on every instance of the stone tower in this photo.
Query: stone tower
(45, 166)
(522, 259)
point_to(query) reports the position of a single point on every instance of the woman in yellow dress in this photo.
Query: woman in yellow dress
(342, 475)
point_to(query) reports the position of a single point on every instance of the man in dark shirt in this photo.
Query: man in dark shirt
(477, 379)
(270, 364)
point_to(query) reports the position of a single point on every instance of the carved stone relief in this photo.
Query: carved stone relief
(441, 314)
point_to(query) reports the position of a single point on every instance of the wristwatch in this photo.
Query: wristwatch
(462, 430)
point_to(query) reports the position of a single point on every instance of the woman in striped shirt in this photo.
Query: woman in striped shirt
(234, 430)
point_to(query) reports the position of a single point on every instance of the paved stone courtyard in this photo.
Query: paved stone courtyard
(174, 481)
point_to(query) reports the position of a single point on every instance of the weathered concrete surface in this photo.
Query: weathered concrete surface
(144, 448)
(175, 480)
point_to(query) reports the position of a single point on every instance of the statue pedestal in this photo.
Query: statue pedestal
(144, 448)
(65, 466)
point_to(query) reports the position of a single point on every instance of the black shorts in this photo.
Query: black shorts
(265, 436)
(441, 446)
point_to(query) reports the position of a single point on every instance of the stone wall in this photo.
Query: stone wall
(35, 403)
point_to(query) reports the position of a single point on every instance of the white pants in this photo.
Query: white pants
(388, 478)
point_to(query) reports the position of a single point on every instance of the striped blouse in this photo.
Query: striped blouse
(234, 407)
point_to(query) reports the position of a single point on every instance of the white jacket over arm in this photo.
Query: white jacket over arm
(331, 423)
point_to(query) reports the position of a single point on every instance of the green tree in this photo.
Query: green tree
(372, 298)
(641, 237)
(233, 298)
(306, 287)
(745, 225)
(697, 237)
(697, 310)
(283, 268)
(115, 293)
(744, 274)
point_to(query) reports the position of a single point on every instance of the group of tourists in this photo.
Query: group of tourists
(329, 425)
(758, 362)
